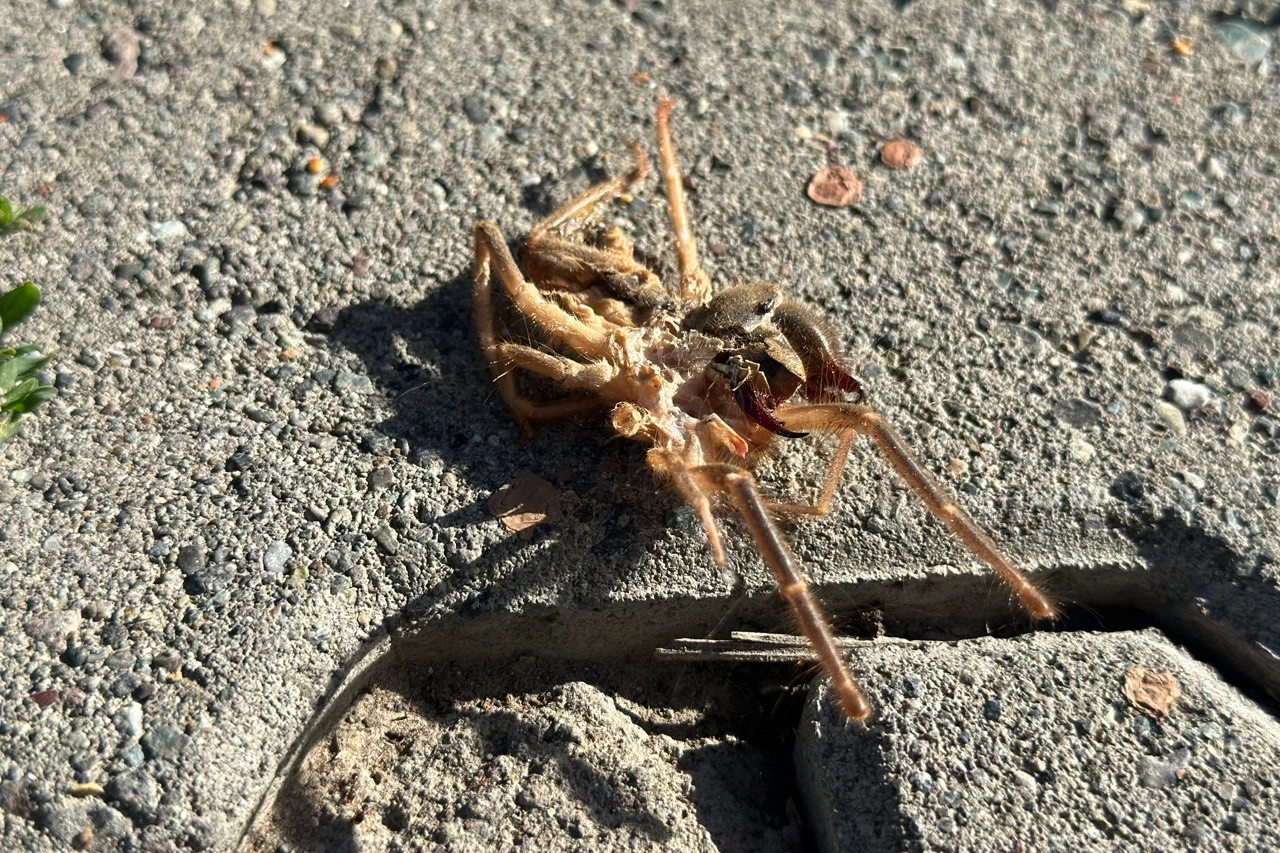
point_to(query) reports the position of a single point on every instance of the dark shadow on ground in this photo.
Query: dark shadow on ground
(426, 360)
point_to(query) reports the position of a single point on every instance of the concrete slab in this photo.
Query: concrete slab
(1033, 744)
(269, 462)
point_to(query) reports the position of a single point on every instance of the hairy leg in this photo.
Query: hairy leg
(830, 482)
(698, 484)
(740, 486)
(846, 418)
(491, 254)
(695, 285)
(554, 260)
(583, 206)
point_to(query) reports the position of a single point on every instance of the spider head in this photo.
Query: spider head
(774, 348)
(758, 363)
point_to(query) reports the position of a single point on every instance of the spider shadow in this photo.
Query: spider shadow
(447, 417)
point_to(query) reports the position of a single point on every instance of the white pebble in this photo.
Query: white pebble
(276, 557)
(1188, 395)
(1080, 450)
(170, 229)
(129, 721)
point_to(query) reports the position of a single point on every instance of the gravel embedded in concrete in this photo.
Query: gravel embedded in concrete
(242, 342)
(1065, 763)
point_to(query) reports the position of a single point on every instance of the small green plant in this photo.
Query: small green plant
(11, 222)
(20, 388)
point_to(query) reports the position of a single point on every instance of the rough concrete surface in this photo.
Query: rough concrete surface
(265, 477)
(1043, 750)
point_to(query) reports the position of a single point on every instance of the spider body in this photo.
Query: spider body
(705, 381)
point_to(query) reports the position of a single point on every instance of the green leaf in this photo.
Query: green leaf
(9, 427)
(32, 215)
(11, 222)
(8, 373)
(30, 398)
(25, 363)
(38, 396)
(12, 399)
(17, 304)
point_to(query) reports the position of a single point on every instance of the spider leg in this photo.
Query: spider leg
(822, 506)
(617, 241)
(849, 418)
(740, 487)
(554, 260)
(573, 374)
(695, 285)
(581, 207)
(491, 254)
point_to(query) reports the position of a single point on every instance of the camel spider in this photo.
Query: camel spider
(700, 378)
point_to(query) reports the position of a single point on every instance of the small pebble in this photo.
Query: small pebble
(356, 383)
(900, 154)
(135, 793)
(1129, 486)
(129, 721)
(1080, 450)
(170, 229)
(324, 320)
(163, 741)
(314, 134)
(835, 186)
(387, 538)
(921, 781)
(276, 557)
(380, 478)
(132, 755)
(475, 109)
(238, 462)
(1188, 395)
(1171, 416)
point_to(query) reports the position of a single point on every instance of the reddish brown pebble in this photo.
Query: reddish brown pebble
(315, 164)
(328, 182)
(835, 186)
(45, 698)
(900, 154)
(1182, 47)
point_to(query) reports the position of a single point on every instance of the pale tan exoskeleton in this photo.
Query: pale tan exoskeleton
(700, 378)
